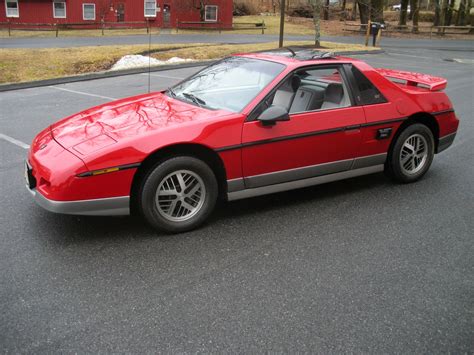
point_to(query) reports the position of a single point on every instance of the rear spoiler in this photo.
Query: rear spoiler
(433, 83)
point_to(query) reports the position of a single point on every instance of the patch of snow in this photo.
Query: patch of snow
(140, 61)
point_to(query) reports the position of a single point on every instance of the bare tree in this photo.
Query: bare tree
(316, 6)
(410, 13)
(354, 11)
(442, 15)
(471, 18)
(343, 10)
(415, 10)
(364, 11)
(460, 18)
(402, 21)
(276, 5)
(376, 13)
(449, 13)
(437, 14)
(326, 10)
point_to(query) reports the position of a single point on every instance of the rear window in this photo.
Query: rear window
(368, 94)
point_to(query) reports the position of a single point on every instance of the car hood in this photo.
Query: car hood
(105, 125)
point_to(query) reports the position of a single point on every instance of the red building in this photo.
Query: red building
(159, 13)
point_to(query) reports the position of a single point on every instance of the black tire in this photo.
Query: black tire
(158, 214)
(399, 163)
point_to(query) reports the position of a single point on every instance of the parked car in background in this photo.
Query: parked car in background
(399, 7)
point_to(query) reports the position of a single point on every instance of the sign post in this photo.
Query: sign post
(282, 22)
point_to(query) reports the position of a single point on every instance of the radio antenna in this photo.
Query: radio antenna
(149, 59)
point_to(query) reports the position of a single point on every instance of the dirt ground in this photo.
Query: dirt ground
(338, 28)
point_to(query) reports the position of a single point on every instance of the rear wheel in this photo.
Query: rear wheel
(178, 194)
(412, 154)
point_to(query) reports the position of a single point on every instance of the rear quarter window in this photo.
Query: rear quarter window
(367, 93)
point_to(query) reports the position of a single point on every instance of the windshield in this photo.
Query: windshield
(229, 84)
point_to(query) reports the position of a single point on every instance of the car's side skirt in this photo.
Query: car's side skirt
(301, 177)
(291, 185)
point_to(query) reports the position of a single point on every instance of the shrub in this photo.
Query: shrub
(426, 16)
(243, 9)
(301, 11)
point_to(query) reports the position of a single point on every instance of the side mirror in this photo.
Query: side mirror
(272, 114)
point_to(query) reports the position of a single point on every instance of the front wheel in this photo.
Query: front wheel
(412, 154)
(178, 194)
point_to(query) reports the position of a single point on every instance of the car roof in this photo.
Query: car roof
(296, 57)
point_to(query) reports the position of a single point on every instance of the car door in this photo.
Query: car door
(322, 136)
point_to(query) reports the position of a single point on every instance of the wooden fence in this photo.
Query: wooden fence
(57, 27)
(201, 25)
(436, 30)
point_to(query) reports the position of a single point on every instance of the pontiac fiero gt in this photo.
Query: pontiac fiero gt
(248, 125)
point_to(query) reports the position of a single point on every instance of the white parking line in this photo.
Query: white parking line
(165, 76)
(409, 55)
(14, 141)
(82, 93)
(463, 61)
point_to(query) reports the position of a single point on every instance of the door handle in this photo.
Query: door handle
(352, 128)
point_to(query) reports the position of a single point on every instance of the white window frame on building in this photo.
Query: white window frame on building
(63, 3)
(206, 13)
(151, 11)
(84, 13)
(8, 11)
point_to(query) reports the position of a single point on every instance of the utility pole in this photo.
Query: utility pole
(282, 22)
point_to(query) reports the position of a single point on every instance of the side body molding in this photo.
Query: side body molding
(302, 177)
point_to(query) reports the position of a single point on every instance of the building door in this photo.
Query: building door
(166, 16)
(120, 12)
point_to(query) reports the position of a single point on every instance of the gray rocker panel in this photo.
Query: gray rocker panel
(306, 176)
(264, 190)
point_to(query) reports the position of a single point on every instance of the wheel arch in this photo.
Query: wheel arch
(420, 117)
(204, 153)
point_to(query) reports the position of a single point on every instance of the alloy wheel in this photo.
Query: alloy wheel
(414, 154)
(180, 195)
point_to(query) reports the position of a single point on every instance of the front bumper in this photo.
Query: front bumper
(113, 206)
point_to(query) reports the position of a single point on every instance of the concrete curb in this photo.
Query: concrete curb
(111, 74)
(98, 75)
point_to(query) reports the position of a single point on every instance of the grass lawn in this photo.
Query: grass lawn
(19, 65)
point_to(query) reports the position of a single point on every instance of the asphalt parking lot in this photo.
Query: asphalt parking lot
(362, 265)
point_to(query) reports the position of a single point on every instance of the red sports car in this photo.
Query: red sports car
(248, 125)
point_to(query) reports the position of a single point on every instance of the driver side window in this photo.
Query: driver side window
(320, 89)
(311, 89)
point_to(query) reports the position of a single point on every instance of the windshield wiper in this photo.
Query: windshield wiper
(195, 99)
(171, 92)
